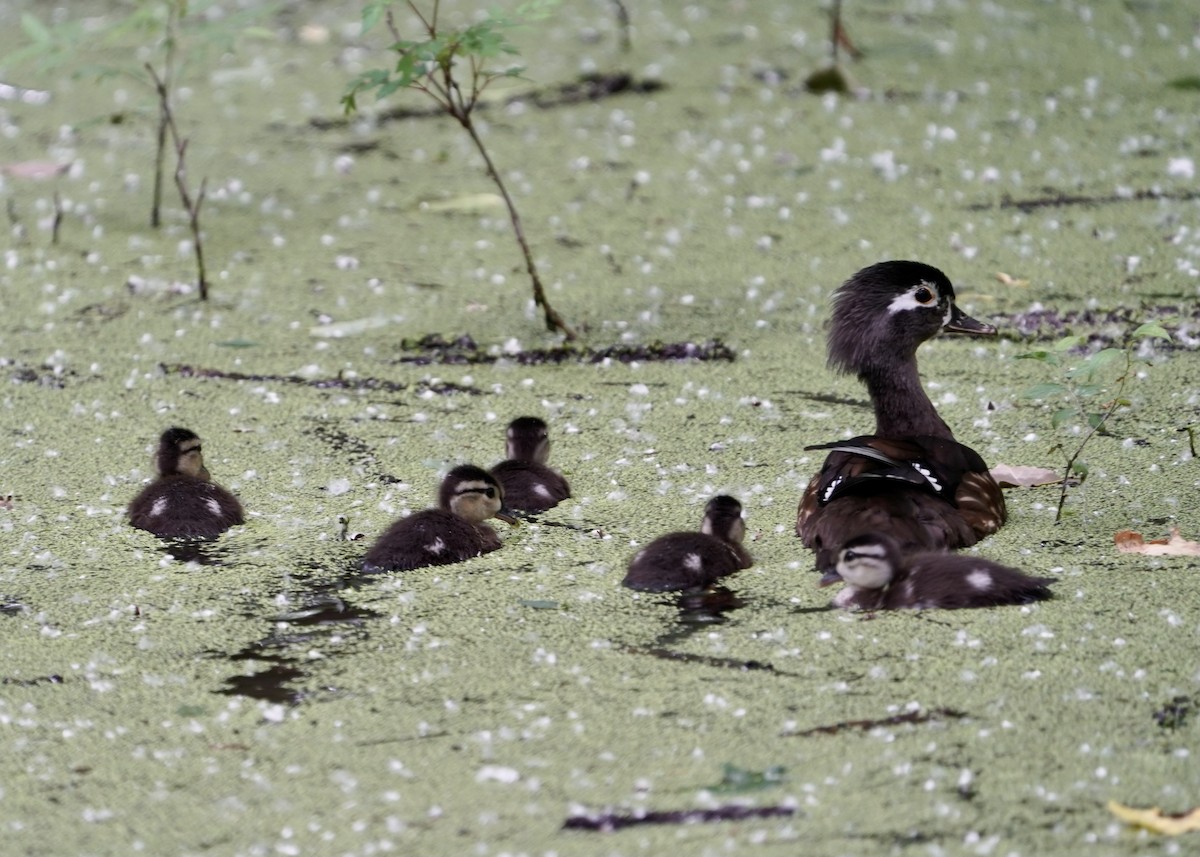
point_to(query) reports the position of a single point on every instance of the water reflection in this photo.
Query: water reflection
(315, 616)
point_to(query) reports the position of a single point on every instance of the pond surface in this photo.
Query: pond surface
(259, 695)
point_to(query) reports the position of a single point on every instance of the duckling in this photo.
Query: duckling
(880, 577)
(183, 502)
(452, 532)
(529, 484)
(911, 478)
(687, 560)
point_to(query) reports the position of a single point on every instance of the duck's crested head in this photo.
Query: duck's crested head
(471, 493)
(528, 439)
(179, 453)
(868, 561)
(885, 311)
(723, 519)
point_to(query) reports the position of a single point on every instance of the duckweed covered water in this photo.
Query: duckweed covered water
(259, 696)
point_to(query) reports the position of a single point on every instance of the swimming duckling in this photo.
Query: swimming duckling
(911, 478)
(879, 577)
(452, 532)
(687, 560)
(529, 484)
(183, 502)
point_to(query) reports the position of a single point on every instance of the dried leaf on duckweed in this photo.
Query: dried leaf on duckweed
(470, 203)
(1010, 280)
(1023, 476)
(1129, 541)
(1155, 820)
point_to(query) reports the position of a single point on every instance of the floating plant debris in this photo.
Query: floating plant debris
(433, 348)
(609, 821)
(587, 87)
(53, 678)
(337, 382)
(1061, 200)
(1052, 324)
(1175, 713)
(914, 716)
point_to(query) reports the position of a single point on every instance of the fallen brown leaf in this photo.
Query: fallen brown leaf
(1155, 820)
(1023, 476)
(1129, 541)
(1009, 280)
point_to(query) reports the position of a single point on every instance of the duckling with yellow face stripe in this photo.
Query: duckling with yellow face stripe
(879, 577)
(183, 502)
(452, 532)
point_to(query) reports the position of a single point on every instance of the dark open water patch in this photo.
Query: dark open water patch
(336, 382)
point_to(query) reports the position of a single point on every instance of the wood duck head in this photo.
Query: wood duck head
(881, 315)
(180, 453)
(472, 494)
(527, 439)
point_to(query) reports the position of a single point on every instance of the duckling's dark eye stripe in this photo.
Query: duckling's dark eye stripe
(487, 491)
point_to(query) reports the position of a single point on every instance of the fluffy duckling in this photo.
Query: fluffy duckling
(529, 484)
(879, 577)
(452, 532)
(183, 502)
(911, 478)
(687, 560)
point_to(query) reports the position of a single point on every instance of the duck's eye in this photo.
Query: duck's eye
(490, 492)
(924, 295)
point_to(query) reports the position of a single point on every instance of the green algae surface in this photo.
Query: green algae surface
(259, 696)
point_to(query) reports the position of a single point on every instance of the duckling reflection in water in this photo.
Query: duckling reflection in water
(452, 532)
(687, 560)
(183, 502)
(530, 485)
(879, 577)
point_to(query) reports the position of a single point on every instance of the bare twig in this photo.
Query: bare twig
(58, 218)
(191, 204)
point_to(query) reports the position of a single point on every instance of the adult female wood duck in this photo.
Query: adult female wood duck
(687, 560)
(879, 577)
(529, 484)
(183, 502)
(911, 479)
(452, 532)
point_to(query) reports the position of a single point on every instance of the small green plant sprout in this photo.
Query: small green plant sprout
(1088, 393)
(453, 66)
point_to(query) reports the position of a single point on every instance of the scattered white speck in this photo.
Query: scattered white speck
(1181, 168)
(337, 487)
(497, 774)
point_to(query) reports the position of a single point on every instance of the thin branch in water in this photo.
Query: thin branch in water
(190, 204)
(58, 218)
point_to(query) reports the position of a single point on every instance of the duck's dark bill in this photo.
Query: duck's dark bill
(960, 322)
(829, 578)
